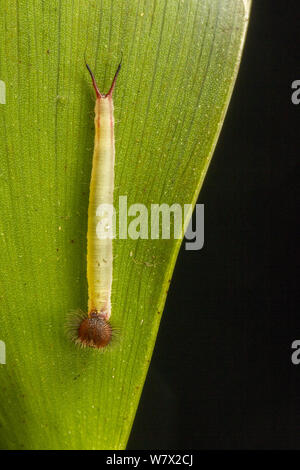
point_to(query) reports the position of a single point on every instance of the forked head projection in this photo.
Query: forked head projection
(98, 93)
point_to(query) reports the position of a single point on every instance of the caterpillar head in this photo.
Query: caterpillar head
(95, 331)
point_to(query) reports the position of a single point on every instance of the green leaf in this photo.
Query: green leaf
(180, 60)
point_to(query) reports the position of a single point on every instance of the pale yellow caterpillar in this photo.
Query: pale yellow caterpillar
(94, 329)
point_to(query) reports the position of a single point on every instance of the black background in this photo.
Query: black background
(221, 375)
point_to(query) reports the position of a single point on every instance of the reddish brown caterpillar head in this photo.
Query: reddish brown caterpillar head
(94, 331)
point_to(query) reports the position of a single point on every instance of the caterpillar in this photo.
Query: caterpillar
(94, 328)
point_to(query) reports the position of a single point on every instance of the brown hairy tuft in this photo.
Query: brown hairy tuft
(95, 331)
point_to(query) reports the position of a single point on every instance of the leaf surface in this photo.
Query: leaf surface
(180, 60)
